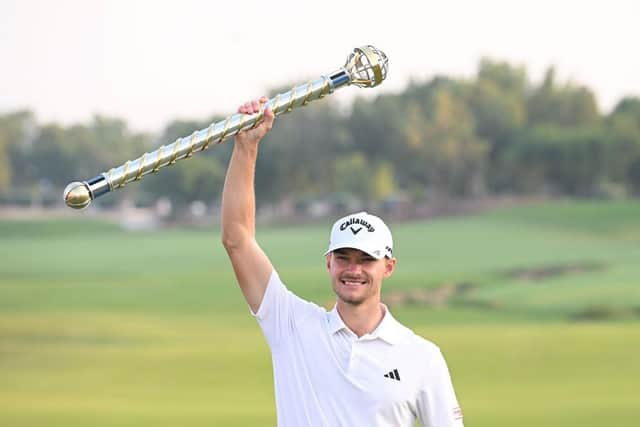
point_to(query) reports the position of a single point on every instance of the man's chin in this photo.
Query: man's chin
(350, 299)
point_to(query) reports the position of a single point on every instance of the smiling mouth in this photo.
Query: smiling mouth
(351, 282)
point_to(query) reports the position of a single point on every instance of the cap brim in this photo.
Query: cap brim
(363, 248)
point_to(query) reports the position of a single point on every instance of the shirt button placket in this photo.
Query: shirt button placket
(353, 357)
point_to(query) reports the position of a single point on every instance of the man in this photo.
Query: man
(352, 366)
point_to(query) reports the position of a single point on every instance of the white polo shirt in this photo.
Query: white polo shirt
(326, 376)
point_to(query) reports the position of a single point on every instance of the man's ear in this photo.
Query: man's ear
(389, 266)
(328, 260)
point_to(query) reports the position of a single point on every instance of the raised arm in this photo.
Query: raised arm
(250, 264)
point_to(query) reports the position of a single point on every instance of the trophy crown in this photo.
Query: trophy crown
(367, 66)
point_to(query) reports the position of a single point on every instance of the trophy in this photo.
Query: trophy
(366, 66)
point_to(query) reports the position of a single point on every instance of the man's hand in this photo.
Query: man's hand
(255, 134)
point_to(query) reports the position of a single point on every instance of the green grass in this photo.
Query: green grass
(20, 229)
(137, 370)
(99, 327)
(617, 219)
(187, 271)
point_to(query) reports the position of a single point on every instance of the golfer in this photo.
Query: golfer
(354, 365)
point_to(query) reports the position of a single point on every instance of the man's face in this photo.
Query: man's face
(356, 276)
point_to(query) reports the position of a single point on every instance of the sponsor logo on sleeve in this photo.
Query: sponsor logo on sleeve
(457, 413)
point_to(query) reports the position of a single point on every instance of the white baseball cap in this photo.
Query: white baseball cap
(362, 231)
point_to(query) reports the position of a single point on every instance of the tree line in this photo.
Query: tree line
(495, 133)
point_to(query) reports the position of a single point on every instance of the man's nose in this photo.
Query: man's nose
(354, 267)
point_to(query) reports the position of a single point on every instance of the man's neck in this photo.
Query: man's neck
(363, 318)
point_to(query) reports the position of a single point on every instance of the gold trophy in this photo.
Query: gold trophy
(366, 66)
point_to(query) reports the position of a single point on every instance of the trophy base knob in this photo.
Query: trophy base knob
(77, 195)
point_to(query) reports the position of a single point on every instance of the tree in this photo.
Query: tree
(443, 151)
(561, 160)
(16, 132)
(569, 105)
(297, 156)
(623, 148)
(498, 101)
(352, 175)
(375, 127)
(52, 160)
(5, 164)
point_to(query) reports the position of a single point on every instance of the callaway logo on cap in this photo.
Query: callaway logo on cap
(362, 231)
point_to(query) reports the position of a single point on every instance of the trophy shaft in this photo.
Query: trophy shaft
(216, 133)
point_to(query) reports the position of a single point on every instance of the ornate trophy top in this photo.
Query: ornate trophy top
(367, 66)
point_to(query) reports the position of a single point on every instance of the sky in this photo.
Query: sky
(150, 62)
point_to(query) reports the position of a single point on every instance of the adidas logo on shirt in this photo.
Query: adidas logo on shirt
(394, 375)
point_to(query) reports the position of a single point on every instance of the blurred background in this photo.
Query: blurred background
(503, 149)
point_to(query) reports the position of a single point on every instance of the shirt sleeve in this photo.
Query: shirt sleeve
(437, 403)
(280, 310)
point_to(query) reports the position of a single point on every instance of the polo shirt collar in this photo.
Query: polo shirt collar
(389, 329)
